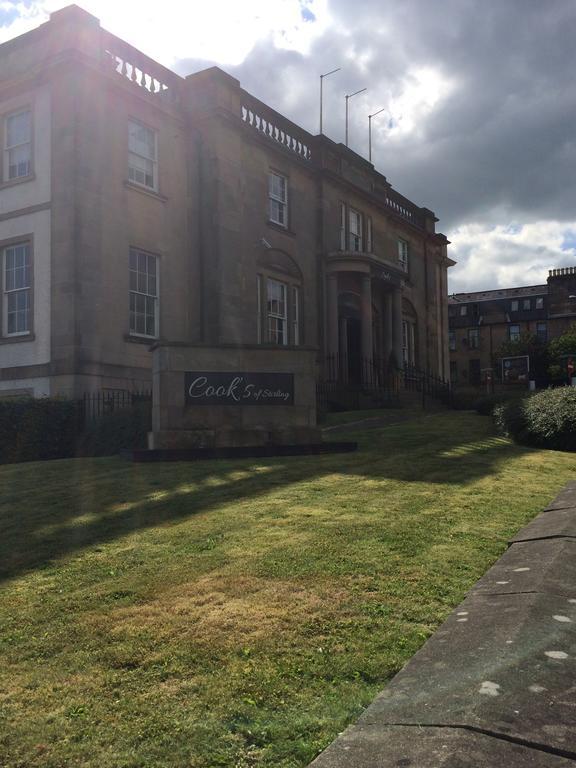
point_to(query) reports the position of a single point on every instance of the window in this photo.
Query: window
(541, 332)
(355, 230)
(295, 315)
(17, 289)
(452, 341)
(453, 372)
(342, 226)
(403, 255)
(540, 302)
(473, 338)
(514, 305)
(277, 312)
(142, 152)
(526, 304)
(278, 199)
(18, 145)
(143, 293)
(514, 332)
(463, 310)
(368, 234)
(408, 343)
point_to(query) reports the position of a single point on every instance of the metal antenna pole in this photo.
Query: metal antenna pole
(349, 96)
(321, 83)
(370, 132)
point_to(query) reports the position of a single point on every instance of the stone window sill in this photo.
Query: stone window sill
(20, 180)
(17, 339)
(145, 191)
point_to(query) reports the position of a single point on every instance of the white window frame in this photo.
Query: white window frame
(463, 310)
(10, 148)
(278, 201)
(295, 315)
(408, 342)
(473, 333)
(25, 289)
(369, 244)
(526, 305)
(134, 169)
(514, 305)
(540, 302)
(342, 226)
(403, 255)
(279, 334)
(142, 287)
(516, 334)
(354, 230)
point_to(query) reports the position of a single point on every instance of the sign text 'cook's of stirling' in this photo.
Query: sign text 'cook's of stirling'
(211, 388)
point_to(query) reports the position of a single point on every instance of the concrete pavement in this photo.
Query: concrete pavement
(496, 683)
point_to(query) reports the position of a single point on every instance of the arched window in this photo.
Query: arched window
(279, 300)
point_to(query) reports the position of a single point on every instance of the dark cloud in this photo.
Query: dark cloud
(501, 143)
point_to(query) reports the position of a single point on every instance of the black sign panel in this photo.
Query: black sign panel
(212, 388)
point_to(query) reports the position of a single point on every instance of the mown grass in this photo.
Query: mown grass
(240, 613)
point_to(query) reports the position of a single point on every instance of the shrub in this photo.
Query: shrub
(546, 419)
(32, 430)
(125, 428)
(485, 405)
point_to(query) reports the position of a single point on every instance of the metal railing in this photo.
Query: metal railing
(95, 405)
(352, 384)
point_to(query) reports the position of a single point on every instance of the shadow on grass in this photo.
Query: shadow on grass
(52, 509)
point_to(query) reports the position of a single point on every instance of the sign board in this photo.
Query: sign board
(216, 388)
(515, 370)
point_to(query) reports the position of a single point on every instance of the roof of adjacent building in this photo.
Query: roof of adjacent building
(500, 293)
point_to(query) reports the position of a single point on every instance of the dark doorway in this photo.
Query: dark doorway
(354, 349)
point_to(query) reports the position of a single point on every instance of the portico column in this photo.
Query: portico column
(397, 326)
(333, 315)
(366, 310)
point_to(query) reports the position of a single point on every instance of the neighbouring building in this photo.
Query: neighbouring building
(138, 206)
(480, 322)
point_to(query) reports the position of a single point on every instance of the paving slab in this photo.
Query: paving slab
(542, 565)
(500, 663)
(417, 747)
(566, 498)
(553, 523)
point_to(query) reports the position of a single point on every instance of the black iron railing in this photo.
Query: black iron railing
(95, 405)
(353, 383)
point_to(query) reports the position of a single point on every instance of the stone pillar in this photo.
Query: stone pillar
(366, 313)
(397, 325)
(332, 319)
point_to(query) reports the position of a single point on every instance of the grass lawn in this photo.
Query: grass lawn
(240, 613)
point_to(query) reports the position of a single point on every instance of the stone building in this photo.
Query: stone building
(480, 322)
(138, 206)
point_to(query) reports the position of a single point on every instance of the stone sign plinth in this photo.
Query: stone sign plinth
(232, 396)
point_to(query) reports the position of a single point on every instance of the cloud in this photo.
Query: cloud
(481, 100)
(504, 256)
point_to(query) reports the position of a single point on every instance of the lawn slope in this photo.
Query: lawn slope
(240, 613)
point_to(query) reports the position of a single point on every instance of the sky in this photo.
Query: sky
(479, 99)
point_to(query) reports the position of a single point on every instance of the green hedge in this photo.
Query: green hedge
(32, 430)
(53, 428)
(126, 428)
(546, 419)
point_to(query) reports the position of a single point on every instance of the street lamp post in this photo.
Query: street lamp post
(349, 96)
(321, 83)
(370, 132)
